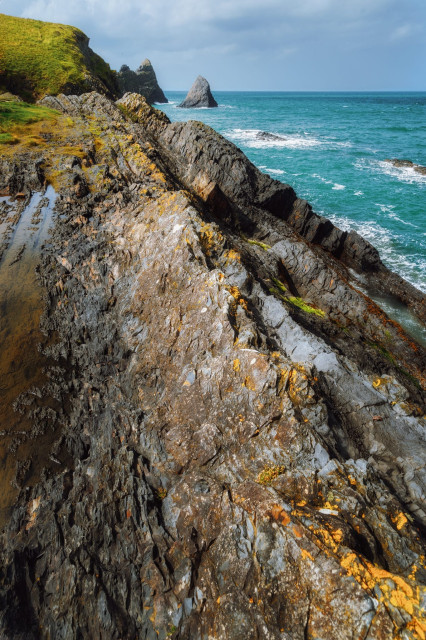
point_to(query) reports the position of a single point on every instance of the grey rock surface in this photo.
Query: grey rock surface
(199, 95)
(239, 458)
(142, 81)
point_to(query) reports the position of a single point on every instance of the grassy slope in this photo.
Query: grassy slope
(15, 115)
(43, 58)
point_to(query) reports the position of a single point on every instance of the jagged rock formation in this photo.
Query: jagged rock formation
(242, 454)
(199, 95)
(142, 81)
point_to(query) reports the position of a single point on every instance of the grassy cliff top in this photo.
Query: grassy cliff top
(42, 58)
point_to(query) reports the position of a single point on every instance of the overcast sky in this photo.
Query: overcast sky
(281, 45)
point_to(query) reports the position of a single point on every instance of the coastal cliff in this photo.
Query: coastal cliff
(238, 445)
(43, 58)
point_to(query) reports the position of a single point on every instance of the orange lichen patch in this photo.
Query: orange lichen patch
(377, 383)
(418, 628)
(337, 535)
(249, 383)
(32, 512)
(128, 513)
(279, 514)
(211, 239)
(399, 520)
(306, 554)
(236, 365)
(330, 539)
(329, 505)
(235, 293)
(231, 256)
(298, 531)
(394, 590)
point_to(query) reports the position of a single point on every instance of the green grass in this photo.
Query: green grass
(301, 304)
(42, 58)
(281, 286)
(262, 245)
(279, 290)
(14, 115)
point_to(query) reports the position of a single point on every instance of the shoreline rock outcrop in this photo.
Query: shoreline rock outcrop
(241, 453)
(407, 164)
(142, 81)
(199, 96)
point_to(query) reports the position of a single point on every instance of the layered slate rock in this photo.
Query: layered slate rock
(238, 457)
(142, 81)
(199, 95)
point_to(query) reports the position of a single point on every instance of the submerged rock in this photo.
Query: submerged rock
(142, 81)
(199, 95)
(242, 453)
(407, 163)
(265, 135)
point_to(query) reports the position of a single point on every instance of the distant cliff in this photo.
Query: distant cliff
(142, 81)
(42, 58)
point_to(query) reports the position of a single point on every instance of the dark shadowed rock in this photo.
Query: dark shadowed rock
(199, 95)
(265, 135)
(242, 449)
(142, 81)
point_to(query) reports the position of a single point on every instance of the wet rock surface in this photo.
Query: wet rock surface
(407, 164)
(199, 95)
(242, 448)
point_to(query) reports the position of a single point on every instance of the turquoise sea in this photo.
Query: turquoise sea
(332, 151)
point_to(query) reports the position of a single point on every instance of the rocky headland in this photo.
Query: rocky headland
(236, 445)
(45, 58)
(199, 96)
(142, 81)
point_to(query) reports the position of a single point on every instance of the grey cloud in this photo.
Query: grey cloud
(218, 35)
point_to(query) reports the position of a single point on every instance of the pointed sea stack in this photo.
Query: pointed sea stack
(142, 81)
(199, 95)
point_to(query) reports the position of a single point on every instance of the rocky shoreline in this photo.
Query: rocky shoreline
(241, 453)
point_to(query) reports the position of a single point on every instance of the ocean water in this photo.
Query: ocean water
(332, 151)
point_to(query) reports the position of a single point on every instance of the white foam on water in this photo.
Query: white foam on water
(249, 137)
(385, 208)
(412, 267)
(324, 180)
(358, 193)
(403, 174)
(336, 186)
(278, 172)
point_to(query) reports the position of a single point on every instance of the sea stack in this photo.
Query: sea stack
(142, 81)
(199, 95)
